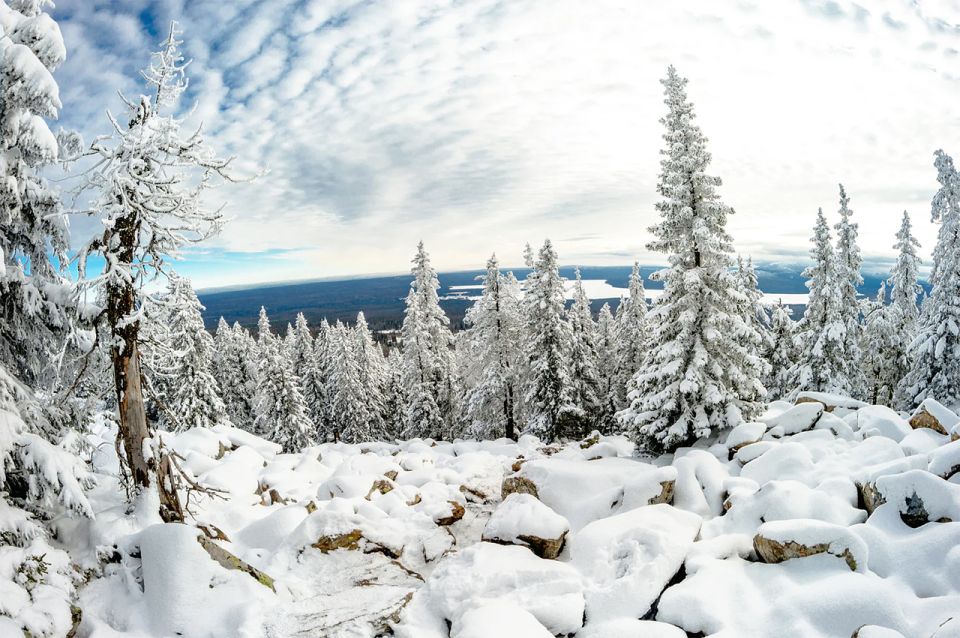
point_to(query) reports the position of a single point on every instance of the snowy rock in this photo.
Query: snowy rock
(521, 519)
(744, 434)
(932, 414)
(628, 559)
(799, 418)
(583, 492)
(631, 628)
(778, 541)
(945, 461)
(922, 441)
(549, 590)
(874, 631)
(500, 618)
(920, 497)
(879, 420)
(700, 483)
(830, 401)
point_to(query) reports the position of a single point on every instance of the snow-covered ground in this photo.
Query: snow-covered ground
(809, 522)
(602, 289)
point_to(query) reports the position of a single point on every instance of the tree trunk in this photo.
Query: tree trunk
(508, 410)
(133, 415)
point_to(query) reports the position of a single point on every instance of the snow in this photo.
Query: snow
(523, 515)
(879, 420)
(627, 559)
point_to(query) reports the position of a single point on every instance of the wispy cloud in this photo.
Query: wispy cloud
(479, 125)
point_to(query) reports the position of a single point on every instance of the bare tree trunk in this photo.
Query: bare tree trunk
(133, 415)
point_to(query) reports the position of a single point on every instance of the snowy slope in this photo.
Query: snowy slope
(812, 526)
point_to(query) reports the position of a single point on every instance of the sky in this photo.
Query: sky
(480, 125)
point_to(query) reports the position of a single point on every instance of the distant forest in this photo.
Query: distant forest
(382, 298)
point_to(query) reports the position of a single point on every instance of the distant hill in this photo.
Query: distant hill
(381, 298)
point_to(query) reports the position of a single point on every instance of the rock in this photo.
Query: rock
(830, 401)
(744, 434)
(391, 474)
(229, 561)
(456, 513)
(875, 631)
(870, 498)
(518, 485)
(381, 486)
(879, 420)
(945, 460)
(500, 618)
(347, 540)
(521, 519)
(590, 441)
(921, 497)
(665, 495)
(624, 627)
(799, 418)
(778, 541)
(932, 414)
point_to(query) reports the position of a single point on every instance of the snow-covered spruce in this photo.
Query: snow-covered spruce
(935, 353)
(701, 374)
(584, 363)
(427, 359)
(780, 353)
(848, 264)
(904, 310)
(633, 334)
(235, 366)
(549, 411)
(491, 365)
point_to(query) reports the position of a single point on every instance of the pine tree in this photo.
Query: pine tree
(756, 313)
(322, 414)
(701, 374)
(633, 332)
(935, 352)
(353, 415)
(584, 355)
(491, 345)
(302, 351)
(150, 178)
(194, 400)
(36, 314)
(878, 343)
(903, 309)
(373, 374)
(780, 353)
(395, 396)
(608, 370)
(548, 393)
(264, 332)
(427, 342)
(848, 264)
(235, 370)
(821, 336)
(281, 413)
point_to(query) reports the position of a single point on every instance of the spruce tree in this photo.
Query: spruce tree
(935, 352)
(322, 412)
(548, 393)
(701, 374)
(372, 372)
(633, 332)
(36, 313)
(302, 351)
(395, 396)
(427, 341)
(848, 264)
(780, 353)
(756, 313)
(491, 344)
(877, 347)
(821, 364)
(584, 361)
(235, 371)
(281, 412)
(904, 292)
(608, 370)
(193, 397)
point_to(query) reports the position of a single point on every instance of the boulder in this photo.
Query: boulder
(518, 485)
(934, 415)
(829, 401)
(778, 541)
(744, 434)
(522, 519)
(456, 513)
(945, 460)
(500, 618)
(879, 420)
(799, 418)
(920, 497)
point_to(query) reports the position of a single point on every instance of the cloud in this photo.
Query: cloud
(480, 125)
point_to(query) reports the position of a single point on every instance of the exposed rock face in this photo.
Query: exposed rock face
(665, 495)
(924, 419)
(870, 496)
(382, 486)
(518, 485)
(772, 551)
(347, 540)
(456, 513)
(779, 541)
